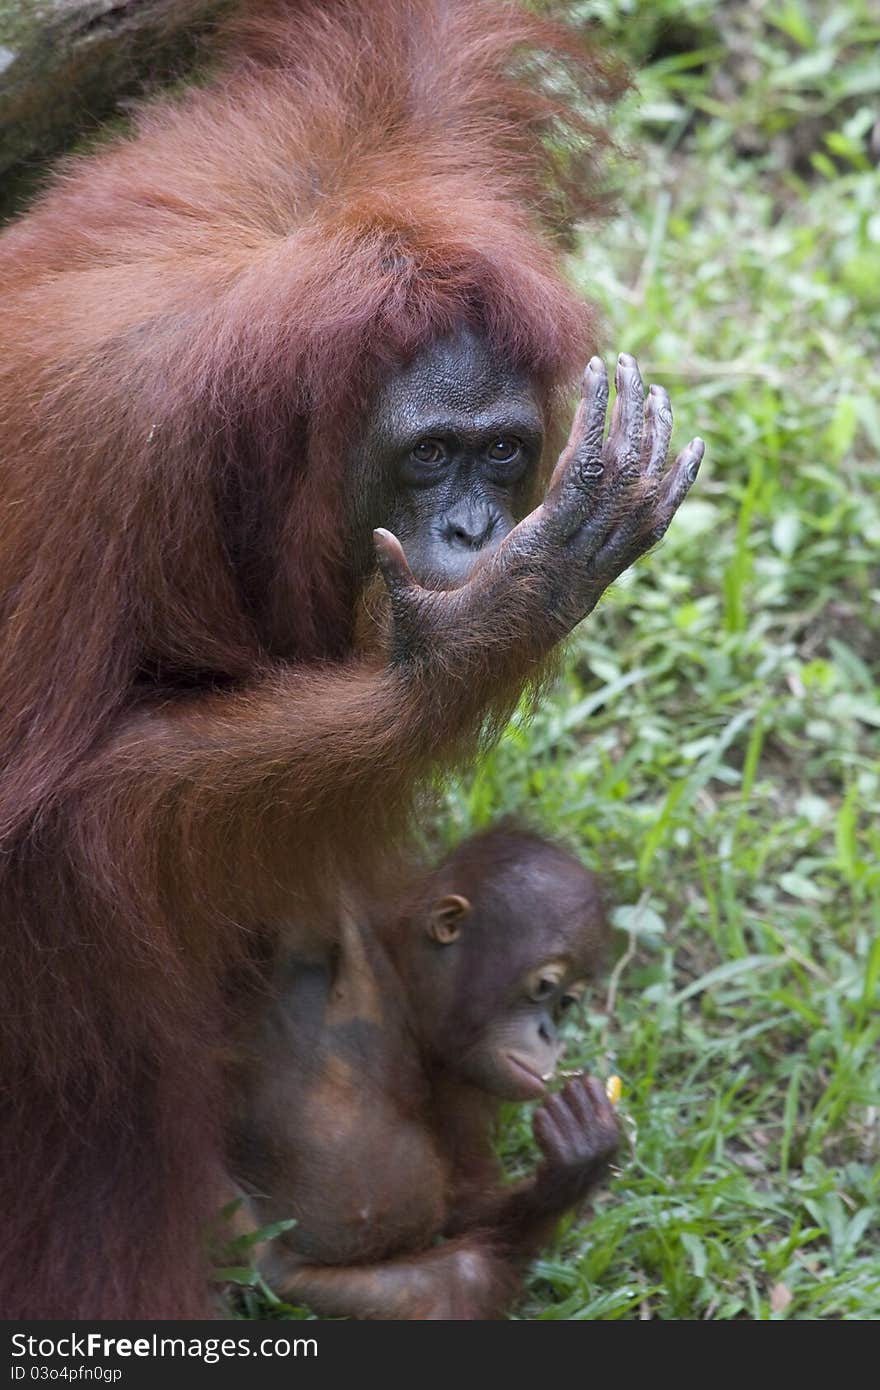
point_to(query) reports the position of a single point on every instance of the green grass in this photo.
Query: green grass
(715, 743)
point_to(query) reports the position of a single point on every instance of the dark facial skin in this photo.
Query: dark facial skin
(451, 448)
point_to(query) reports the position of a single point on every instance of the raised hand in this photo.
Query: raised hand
(578, 1134)
(609, 500)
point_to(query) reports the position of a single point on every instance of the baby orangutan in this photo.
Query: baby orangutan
(368, 1095)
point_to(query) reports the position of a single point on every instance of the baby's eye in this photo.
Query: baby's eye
(543, 989)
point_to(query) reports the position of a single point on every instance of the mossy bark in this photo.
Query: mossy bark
(66, 67)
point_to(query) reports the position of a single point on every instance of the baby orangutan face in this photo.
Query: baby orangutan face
(520, 1050)
(502, 959)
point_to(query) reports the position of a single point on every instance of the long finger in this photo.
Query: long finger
(588, 427)
(657, 432)
(682, 476)
(579, 477)
(623, 445)
(580, 1102)
(549, 1136)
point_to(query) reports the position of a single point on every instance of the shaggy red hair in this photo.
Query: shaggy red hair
(193, 319)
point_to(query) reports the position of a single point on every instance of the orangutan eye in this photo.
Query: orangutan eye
(543, 988)
(504, 450)
(544, 981)
(429, 451)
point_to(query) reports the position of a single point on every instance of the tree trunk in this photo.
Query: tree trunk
(68, 65)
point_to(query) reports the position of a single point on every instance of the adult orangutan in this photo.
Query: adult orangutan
(310, 299)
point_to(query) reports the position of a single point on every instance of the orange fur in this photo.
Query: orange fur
(191, 750)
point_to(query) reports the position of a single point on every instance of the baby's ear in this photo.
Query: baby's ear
(445, 918)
